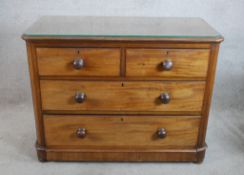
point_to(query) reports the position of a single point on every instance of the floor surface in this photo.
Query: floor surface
(224, 156)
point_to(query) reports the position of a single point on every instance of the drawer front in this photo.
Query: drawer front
(178, 63)
(121, 131)
(116, 96)
(78, 62)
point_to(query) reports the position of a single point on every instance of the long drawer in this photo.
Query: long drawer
(134, 132)
(167, 63)
(128, 96)
(78, 61)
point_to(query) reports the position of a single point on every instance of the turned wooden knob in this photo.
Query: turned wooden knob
(161, 133)
(78, 63)
(165, 98)
(81, 132)
(167, 65)
(80, 97)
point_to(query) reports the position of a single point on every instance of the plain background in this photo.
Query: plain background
(225, 137)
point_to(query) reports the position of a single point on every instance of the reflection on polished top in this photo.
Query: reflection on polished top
(158, 27)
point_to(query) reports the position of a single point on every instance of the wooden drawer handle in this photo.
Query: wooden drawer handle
(165, 98)
(80, 97)
(167, 65)
(78, 63)
(162, 133)
(81, 132)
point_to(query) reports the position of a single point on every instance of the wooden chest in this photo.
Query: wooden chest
(121, 88)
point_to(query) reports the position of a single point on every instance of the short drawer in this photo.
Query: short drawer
(132, 132)
(122, 97)
(167, 63)
(78, 62)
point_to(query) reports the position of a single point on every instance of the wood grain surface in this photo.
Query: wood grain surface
(121, 131)
(97, 61)
(124, 156)
(119, 96)
(122, 80)
(187, 63)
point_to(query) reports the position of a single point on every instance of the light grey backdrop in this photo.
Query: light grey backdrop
(226, 127)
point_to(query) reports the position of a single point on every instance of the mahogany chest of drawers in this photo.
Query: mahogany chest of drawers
(121, 88)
